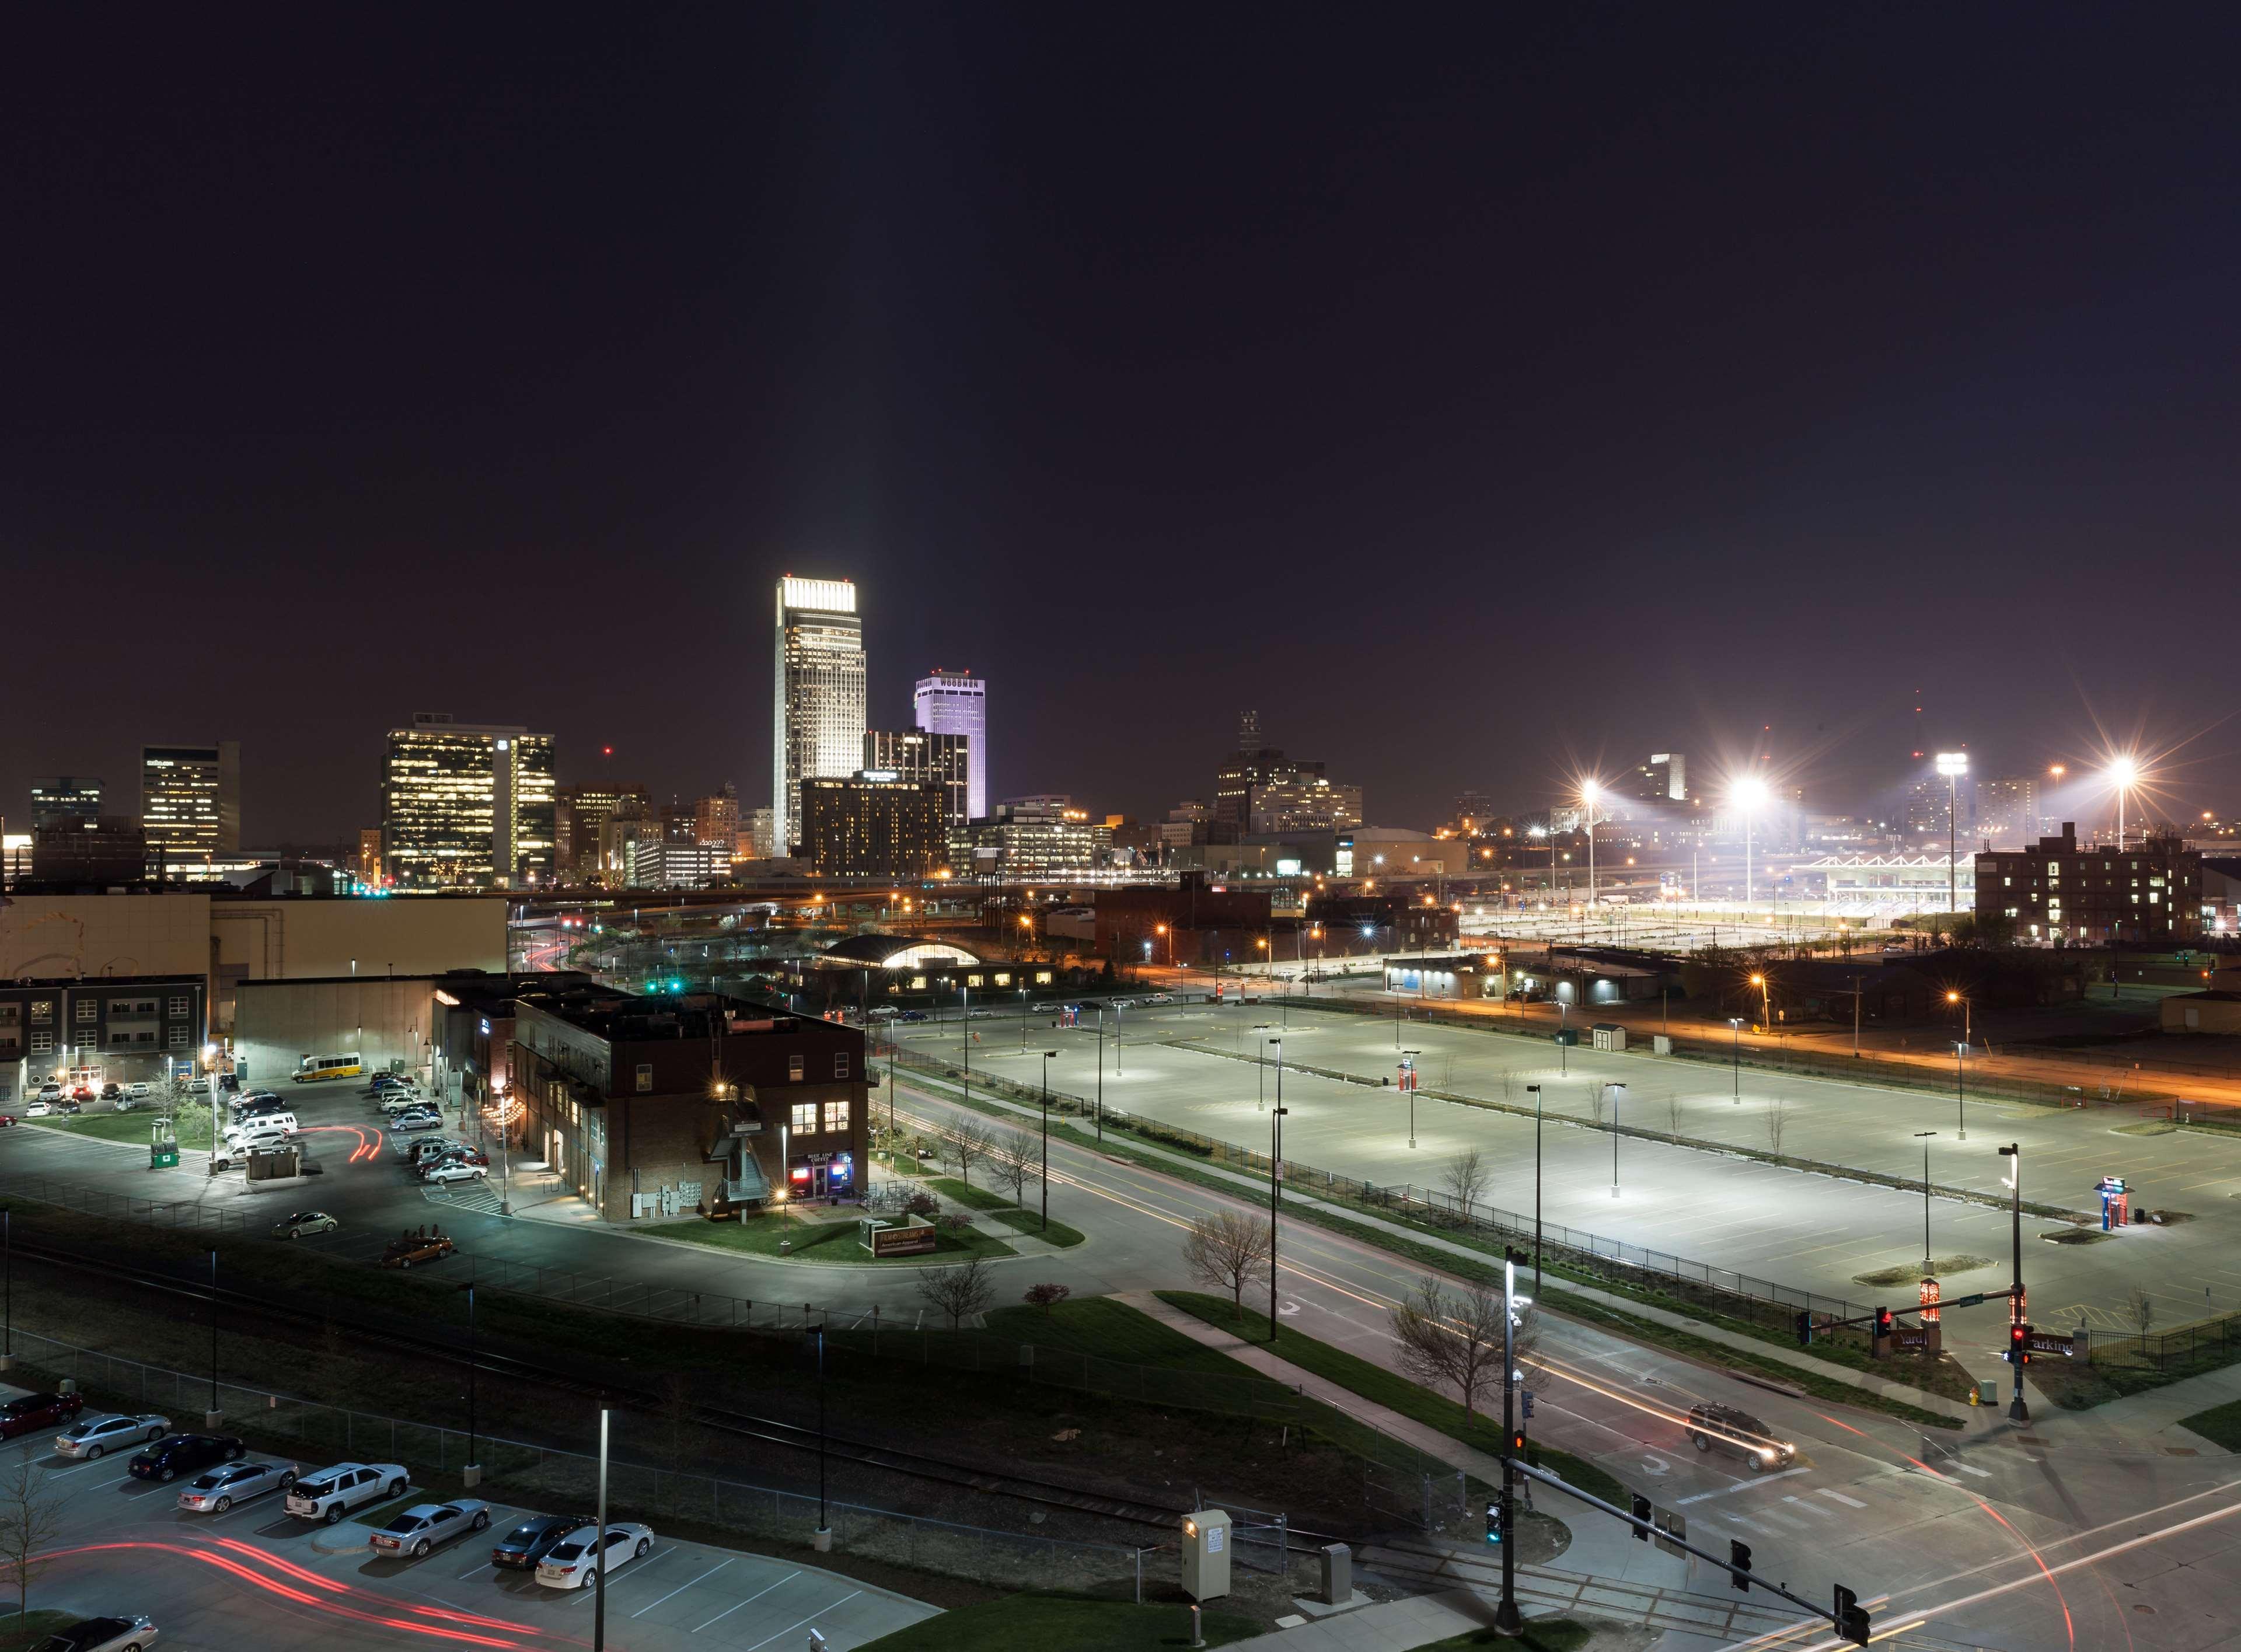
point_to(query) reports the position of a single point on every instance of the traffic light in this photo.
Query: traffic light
(1517, 1442)
(1642, 1514)
(1739, 1558)
(1882, 1321)
(1494, 1523)
(1528, 1405)
(1851, 1618)
(2019, 1344)
(1805, 1329)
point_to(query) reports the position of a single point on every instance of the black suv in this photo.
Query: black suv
(526, 1544)
(1730, 1429)
(182, 1453)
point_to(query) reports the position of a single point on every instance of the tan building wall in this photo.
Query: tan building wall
(382, 1018)
(123, 934)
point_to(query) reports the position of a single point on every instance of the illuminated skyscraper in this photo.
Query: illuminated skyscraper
(817, 700)
(468, 806)
(956, 702)
(190, 799)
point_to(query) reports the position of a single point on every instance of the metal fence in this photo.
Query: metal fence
(2206, 1343)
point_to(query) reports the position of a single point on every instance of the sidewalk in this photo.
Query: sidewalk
(1389, 1626)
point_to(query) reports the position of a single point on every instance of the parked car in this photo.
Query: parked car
(529, 1542)
(90, 1437)
(37, 1411)
(110, 1091)
(102, 1635)
(6, 1119)
(449, 1172)
(880, 1013)
(420, 1528)
(304, 1222)
(329, 1493)
(40, 1107)
(423, 1246)
(50, 1091)
(139, 1090)
(1726, 1427)
(181, 1454)
(219, 1490)
(911, 1015)
(575, 1561)
(410, 1122)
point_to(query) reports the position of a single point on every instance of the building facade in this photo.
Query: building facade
(957, 703)
(656, 862)
(580, 811)
(106, 1028)
(924, 758)
(65, 797)
(1664, 779)
(2007, 810)
(1031, 838)
(716, 819)
(2064, 893)
(817, 706)
(191, 799)
(108, 849)
(872, 826)
(468, 806)
(1296, 801)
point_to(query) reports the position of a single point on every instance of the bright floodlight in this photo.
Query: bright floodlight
(1750, 792)
(1953, 762)
(1589, 791)
(2123, 771)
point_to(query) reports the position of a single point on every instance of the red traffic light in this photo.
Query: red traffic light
(1882, 1321)
(2019, 1344)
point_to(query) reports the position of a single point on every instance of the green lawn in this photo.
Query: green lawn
(1109, 1330)
(1031, 1223)
(971, 1197)
(820, 1242)
(1393, 1392)
(192, 1124)
(1045, 1622)
(1544, 1634)
(2221, 1423)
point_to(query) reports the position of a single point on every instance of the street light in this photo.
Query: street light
(1408, 1073)
(1276, 1186)
(2123, 774)
(1765, 999)
(1046, 1170)
(1953, 765)
(1749, 795)
(1591, 793)
(1960, 1050)
(1736, 1028)
(504, 1141)
(1617, 1094)
(2017, 1409)
(1535, 1091)
(1923, 1136)
(1261, 1101)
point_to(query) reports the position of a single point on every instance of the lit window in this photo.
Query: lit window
(805, 1118)
(836, 1118)
(178, 1006)
(794, 1070)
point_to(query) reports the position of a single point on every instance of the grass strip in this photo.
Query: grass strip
(2221, 1424)
(1027, 1222)
(971, 1197)
(1040, 1622)
(1393, 1392)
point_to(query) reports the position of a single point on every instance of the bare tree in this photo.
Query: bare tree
(1778, 1115)
(1673, 1111)
(957, 1291)
(30, 1520)
(1466, 1179)
(1013, 1161)
(1597, 1100)
(969, 1144)
(1227, 1252)
(1453, 1340)
(2141, 1307)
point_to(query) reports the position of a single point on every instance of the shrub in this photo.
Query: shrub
(1048, 1297)
(921, 1203)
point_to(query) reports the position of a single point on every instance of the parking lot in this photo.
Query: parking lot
(255, 1579)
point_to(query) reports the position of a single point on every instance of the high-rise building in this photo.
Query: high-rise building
(716, 819)
(580, 811)
(369, 856)
(190, 799)
(818, 703)
(108, 849)
(872, 826)
(468, 806)
(1294, 800)
(760, 834)
(1254, 764)
(944, 760)
(956, 702)
(1664, 779)
(1032, 838)
(1472, 810)
(65, 797)
(2007, 809)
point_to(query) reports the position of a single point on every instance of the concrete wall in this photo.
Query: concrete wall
(127, 934)
(277, 1023)
(294, 940)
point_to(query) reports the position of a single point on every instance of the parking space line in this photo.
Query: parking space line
(757, 1595)
(58, 1473)
(812, 1618)
(681, 1588)
(484, 1566)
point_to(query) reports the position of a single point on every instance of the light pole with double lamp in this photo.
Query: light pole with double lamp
(1408, 1078)
(1275, 1181)
(1046, 1170)
(1736, 1026)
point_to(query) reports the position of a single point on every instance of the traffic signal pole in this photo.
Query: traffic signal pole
(1506, 1618)
(2017, 1411)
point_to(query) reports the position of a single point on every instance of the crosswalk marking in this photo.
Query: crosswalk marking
(1849, 1502)
(1811, 1508)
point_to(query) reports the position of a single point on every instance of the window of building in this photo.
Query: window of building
(179, 1005)
(794, 1070)
(87, 1009)
(805, 1118)
(11, 1014)
(42, 1042)
(976, 981)
(178, 1038)
(1003, 978)
(840, 1064)
(917, 983)
(836, 1118)
(1042, 978)
(43, 1010)
(645, 1078)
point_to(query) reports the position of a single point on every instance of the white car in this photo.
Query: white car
(444, 1175)
(41, 1108)
(139, 1090)
(574, 1561)
(304, 1222)
(102, 1635)
(88, 1437)
(427, 1119)
(217, 1490)
(420, 1528)
(394, 1101)
(329, 1493)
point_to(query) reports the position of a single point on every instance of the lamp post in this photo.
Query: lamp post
(472, 1474)
(1736, 1029)
(1953, 765)
(1563, 1025)
(1023, 1021)
(1748, 794)
(1261, 1101)
(1617, 1096)
(1766, 1000)
(1116, 1041)
(964, 1036)
(1276, 1191)
(2123, 773)
(1100, 1072)
(216, 1417)
(504, 1141)
(1960, 1050)
(1044, 1177)
(2017, 1409)
(1589, 793)
(1408, 1078)
(1534, 1090)
(1923, 1136)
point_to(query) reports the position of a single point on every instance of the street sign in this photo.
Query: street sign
(2047, 1342)
(1672, 1530)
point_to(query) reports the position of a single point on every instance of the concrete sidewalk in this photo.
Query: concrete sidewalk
(1389, 1626)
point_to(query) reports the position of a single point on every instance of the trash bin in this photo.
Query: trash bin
(1338, 1574)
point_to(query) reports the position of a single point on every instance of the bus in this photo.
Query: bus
(312, 1068)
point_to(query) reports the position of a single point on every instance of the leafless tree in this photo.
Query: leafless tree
(1778, 1115)
(1466, 1179)
(957, 1291)
(1227, 1252)
(30, 1520)
(2141, 1307)
(1016, 1160)
(969, 1144)
(1673, 1111)
(1598, 1099)
(1453, 1340)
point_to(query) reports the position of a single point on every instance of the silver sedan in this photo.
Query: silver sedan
(90, 1437)
(420, 1528)
(217, 1490)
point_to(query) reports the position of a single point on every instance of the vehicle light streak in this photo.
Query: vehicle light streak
(452, 1613)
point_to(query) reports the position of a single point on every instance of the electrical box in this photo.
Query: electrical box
(1206, 1554)
(1337, 1573)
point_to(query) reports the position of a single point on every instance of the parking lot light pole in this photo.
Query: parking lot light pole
(1536, 1091)
(1408, 1078)
(216, 1417)
(600, 1548)
(1735, 1027)
(1617, 1096)
(1923, 1136)
(1276, 1199)
(1100, 1072)
(1261, 1067)
(1045, 1173)
(471, 1476)
(2014, 1153)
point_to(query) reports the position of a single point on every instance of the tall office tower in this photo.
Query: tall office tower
(590, 806)
(190, 799)
(2007, 809)
(941, 759)
(65, 797)
(468, 806)
(1664, 779)
(818, 706)
(369, 856)
(1245, 771)
(956, 702)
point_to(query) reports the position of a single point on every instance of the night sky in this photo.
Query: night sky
(1480, 394)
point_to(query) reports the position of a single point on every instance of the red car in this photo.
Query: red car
(6, 1119)
(36, 1411)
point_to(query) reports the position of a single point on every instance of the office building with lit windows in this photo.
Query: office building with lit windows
(875, 825)
(956, 702)
(468, 806)
(65, 797)
(944, 760)
(2060, 892)
(818, 699)
(191, 799)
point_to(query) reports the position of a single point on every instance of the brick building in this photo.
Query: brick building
(2065, 892)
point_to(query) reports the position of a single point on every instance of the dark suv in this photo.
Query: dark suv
(1726, 1427)
(182, 1453)
(527, 1543)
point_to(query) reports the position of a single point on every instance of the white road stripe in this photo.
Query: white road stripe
(1981, 1474)
(1812, 1508)
(1743, 1485)
(812, 1618)
(681, 1588)
(757, 1595)
(1849, 1502)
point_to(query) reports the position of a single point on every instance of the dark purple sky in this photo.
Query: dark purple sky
(1477, 395)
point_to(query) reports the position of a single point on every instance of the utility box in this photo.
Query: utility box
(1338, 1574)
(1206, 1554)
(1660, 1045)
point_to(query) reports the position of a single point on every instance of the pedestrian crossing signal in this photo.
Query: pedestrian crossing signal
(1494, 1523)
(1851, 1618)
